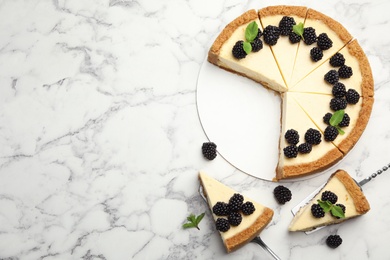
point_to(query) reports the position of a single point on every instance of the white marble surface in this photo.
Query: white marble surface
(100, 138)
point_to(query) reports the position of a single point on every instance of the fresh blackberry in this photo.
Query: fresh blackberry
(338, 104)
(330, 133)
(316, 54)
(337, 60)
(271, 35)
(286, 25)
(248, 208)
(282, 194)
(291, 151)
(221, 209)
(222, 224)
(317, 211)
(332, 77)
(257, 45)
(339, 90)
(313, 136)
(234, 218)
(235, 202)
(309, 35)
(238, 50)
(345, 72)
(352, 96)
(345, 121)
(209, 150)
(292, 136)
(334, 241)
(324, 42)
(328, 195)
(259, 34)
(342, 208)
(327, 117)
(304, 148)
(294, 38)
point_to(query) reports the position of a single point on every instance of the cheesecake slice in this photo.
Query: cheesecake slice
(348, 194)
(259, 66)
(250, 226)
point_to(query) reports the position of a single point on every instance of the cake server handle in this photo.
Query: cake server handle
(374, 175)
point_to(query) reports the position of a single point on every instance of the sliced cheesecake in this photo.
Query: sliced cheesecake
(250, 226)
(348, 194)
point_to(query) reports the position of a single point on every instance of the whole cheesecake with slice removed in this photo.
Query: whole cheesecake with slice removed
(250, 226)
(348, 194)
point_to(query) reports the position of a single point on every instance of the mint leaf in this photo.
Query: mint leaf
(325, 205)
(199, 218)
(337, 211)
(251, 32)
(193, 221)
(341, 131)
(247, 47)
(337, 117)
(298, 29)
(188, 225)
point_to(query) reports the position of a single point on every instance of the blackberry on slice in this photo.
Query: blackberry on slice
(352, 96)
(257, 45)
(324, 42)
(221, 209)
(337, 60)
(345, 121)
(238, 50)
(309, 35)
(222, 224)
(338, 104)
(282, 194)
(334, 241)
(339, 90)
(271, 34)
(342, 208)
(327, 117)
(290, 151)
(317, 211)
(332, 77)
(294, 38)
(304, 148)
(345, 72)
(248, 208)
(209, 150)
(328, 195)
(292, 136)
(313, 136)
(286, 25)
(235, 202)
(330, 133)
(259, 34)
(234, 218)
(316, 54)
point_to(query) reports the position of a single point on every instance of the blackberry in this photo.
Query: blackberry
(339, 90)
(257, 45)
(316, 54)
(342, 208)
(292, 136)
(294, 38)
(337, 60)
(309, 35)
(324, 42)
(259, 34)
(209, 150)
(282, 194)
(328, 195)
(330, 133)
(338, 104)
(352, 96)
(271, 35)
(238, 50)
(317, 211)
(327, 117)
(222, 224)
(234, 218)
(304, 148)
(332, 77)
(221, 209)
(235, 202)
(345, 121)
(313, 136)
(345, 72)
(248, 208)
(334, 241)
(291, 151)
(286, 25)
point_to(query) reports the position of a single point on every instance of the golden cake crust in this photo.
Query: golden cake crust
(284, 10)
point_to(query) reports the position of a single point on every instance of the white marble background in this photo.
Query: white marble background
(100, 138)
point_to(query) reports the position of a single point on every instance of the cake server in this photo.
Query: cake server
(295, 209)
(256, 240)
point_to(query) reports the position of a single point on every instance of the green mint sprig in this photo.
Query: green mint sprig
(193, 221)
(298, 29)
(335, 120)
(327, 206)
(251, 32)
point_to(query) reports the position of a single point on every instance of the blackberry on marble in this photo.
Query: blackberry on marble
(304, 148)
(294, 38)
(248, 208)
(338, 104)
(324, 42)
(286, 25)
(271, 34)
(292, 136)
(222, 224)
(290, 151)
(309, 35)
(316, 54)
(238, 50)
(282, 194)
(334, 241)
(313, 136)
(234, 218)
(209, 150)
(339, 90)
(221, 209)
(345, 72)
(337, 60)
(352, 96)
(332, 77)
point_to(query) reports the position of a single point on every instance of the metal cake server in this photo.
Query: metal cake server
(256, 240)
(295, 209)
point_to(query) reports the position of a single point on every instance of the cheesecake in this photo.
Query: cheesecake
(348, 194)
(250, 226)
